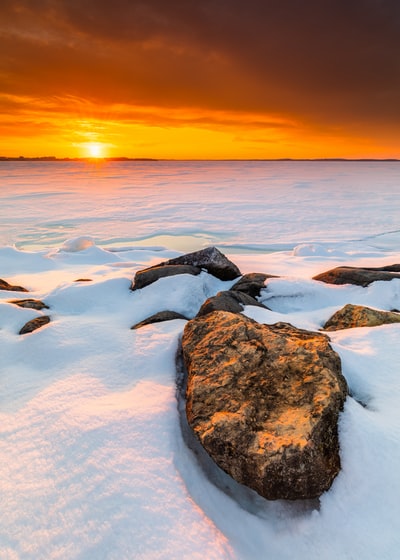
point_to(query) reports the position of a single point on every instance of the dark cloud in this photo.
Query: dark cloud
(316, 60)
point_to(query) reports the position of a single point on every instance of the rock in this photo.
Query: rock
(252, 283)
(228, 301)
(211, 260)
(264, 401)
(160, 317)
(29, 303)
(351, 316)
(358, 276)
(34, 324)
(6, 286)
(147, 276)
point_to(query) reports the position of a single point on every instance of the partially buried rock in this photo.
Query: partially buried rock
(159, 317)
(351, 316)
(6, 286)
(264, 402)
(147, 276)
(34, 324)
(210, 259)
(29, 303)
(228, 300)
(252, 283)
(358, 276)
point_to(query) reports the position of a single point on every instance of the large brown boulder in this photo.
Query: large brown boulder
(264, 402)
(351, 316)
(359, 276)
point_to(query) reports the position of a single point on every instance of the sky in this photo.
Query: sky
(210, 79)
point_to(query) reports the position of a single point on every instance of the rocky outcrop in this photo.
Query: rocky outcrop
(228, 300)
(351, 316)
(264, 402)
(6, 286)
(159, 317)
(252, 283)
(358, 276)
(29, 303)
(147, 276)
(34, 324)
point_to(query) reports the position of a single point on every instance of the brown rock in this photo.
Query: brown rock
(6, 286)
(147, 276)
(34, 324)
(159, 317)
(264, 402)
(351, 316)
(29, 303)
(358, 276)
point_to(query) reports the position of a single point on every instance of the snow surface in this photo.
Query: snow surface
(93, 463)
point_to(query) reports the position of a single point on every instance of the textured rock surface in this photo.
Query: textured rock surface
(147, 276)
(29, 303)
(159, 317)
(358, 276)
(228, 301)
(252, 283)
(6, 286)
(264, 402)
(210, 259)
(34, 324)
(351, 316)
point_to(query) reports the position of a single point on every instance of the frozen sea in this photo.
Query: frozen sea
(93, 465)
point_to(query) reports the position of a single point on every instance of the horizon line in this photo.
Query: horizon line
(126, 158)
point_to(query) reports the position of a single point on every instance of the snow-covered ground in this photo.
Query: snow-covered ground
(93, 464)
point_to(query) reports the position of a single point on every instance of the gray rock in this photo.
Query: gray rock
(147, 276)
(264, 401)
(252, 283)
(228, 301)
(159, 317)
(211, 260)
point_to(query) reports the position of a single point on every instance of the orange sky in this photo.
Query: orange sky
(190, 79)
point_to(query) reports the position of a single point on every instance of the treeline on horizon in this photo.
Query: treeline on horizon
(123, 158)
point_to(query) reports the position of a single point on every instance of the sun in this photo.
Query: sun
(95, 150)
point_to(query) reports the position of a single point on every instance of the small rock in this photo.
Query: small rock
(211, 260)
(358, 276)
(6, 286)
(252, 283)
(159, 317)
(29, 303)
(352, 316)
(228, 301)
(34, 324)
(147, 276)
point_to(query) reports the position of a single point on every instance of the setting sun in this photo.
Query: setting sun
(95, 150)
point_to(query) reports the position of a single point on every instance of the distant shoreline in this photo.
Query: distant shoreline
(123, 159)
